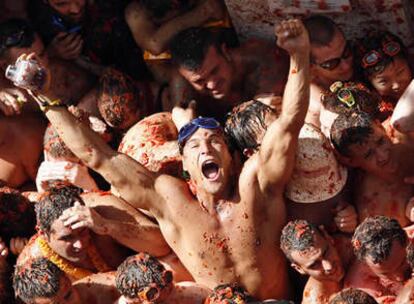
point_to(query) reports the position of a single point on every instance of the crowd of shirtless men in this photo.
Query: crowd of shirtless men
(160, 159)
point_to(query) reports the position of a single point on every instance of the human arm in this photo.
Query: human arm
(277, 152)
(156, 39)
(402, 118)
(111, 216)
(346, 217)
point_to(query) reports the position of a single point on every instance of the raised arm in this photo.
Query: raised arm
(133, 181)
(155, 39)
(277, 152)
(403, 117)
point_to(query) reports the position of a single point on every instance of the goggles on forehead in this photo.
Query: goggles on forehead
(390, 48)
(190, 128)
(344, 95)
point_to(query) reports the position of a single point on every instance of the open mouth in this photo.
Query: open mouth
(210, 170)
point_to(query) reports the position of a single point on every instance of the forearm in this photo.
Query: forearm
(403, 117)
(137, 237)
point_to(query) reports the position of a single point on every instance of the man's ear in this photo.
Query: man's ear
(298, 268)
(345, 160)
(248, 152)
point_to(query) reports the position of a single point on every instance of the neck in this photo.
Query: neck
(209, 202)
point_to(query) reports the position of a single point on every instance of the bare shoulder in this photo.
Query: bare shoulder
(315, 292)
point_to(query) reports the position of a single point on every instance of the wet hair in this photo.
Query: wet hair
(245, 122)
(297, 235)
(374, 237)
(374, 41)
(365, 100)
(349, 129)
(118, 98)
(352, 296)
(321, 30)
(18, 218)
(189, 47)
(159, 8)
(39, 278)
(231, 293)
(15, 33)
(142, 273)
(55, 146)
(410, 254)
(53, 203)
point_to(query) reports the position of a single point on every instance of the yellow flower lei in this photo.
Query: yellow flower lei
(69, 268)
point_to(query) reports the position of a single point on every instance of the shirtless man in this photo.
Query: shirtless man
(83, 239)
(331, 60)
(382, 268)
(363, 143)
(230, 246)
(69, 83)
(313, 252)
(143, 279)
(230, 75)
(354, 296)
(42, 282)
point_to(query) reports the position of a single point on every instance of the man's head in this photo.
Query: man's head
(383, 59)
(42, 282)
(352, 296)
(331, 53)
(17, 37)
(363, 143)
(203, 60)
(70, 244)
(55, 147)
(72, 10)
(142, 279)
(311, 251)
(206, 155)
(380, 243)
(227, 294)
(247, 124)
(120, 102)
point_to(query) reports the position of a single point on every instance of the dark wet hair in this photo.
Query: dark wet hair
(18, 218)
(118, 98)
(55, 146)
(245, 122)
(39, 278)
(352, 296)
(15, 33)
(231, 293)
(365, 100)
(297, 235)
(349, 129)
(189, 47)
(374, 237)
(159, 8)
(53, 203)
(375, 41)
(321, 30)
(139, 273)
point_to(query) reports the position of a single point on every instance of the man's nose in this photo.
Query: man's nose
(78, 245)
(395, 86)
(211, 84)
(75, 8)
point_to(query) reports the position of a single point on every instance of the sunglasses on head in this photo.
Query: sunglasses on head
(332, 64)
(190, 128)
(373, 57)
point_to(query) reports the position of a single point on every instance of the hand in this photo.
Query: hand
(181, 116)
(214, 9)
(17, 245)
(346, 218)
(80, 216)
(4, 251)
(409, 210)
(292, 36)
(11, 101)
(66, 46)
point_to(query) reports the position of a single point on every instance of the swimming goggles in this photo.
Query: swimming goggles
(390, 48)
(190, 128)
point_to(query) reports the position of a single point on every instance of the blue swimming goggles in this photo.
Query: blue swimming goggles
(190, 128)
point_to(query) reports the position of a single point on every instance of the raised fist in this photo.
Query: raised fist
(292, 36)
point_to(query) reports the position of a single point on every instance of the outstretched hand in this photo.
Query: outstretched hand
(346, 218)
(292, 36)
(181, 116)
(11, 101)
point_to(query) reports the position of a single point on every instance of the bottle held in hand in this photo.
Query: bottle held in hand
(27, 74)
